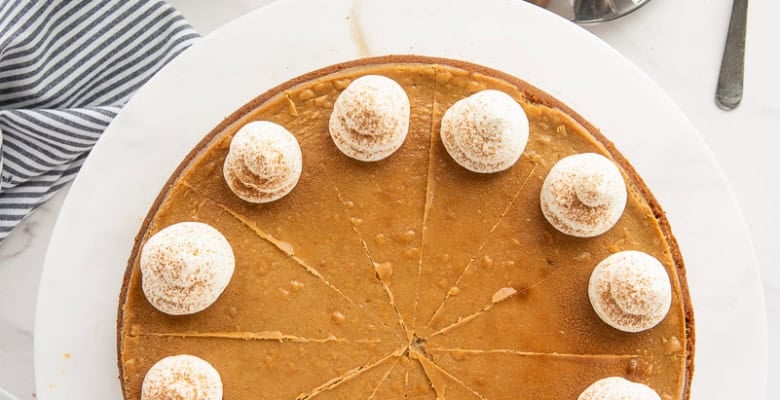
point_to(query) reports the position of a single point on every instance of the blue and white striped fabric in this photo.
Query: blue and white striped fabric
(66, 68)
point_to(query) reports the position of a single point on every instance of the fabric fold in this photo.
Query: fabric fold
(66, 69)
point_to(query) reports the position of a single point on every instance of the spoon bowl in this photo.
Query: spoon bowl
(594, 11)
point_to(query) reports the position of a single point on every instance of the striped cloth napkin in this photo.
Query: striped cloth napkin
(66, 69)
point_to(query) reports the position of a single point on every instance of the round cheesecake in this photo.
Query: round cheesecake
(407, 275)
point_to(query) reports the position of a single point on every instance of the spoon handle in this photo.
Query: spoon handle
(732, 67)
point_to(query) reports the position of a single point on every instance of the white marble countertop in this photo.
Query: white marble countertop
(678, 44)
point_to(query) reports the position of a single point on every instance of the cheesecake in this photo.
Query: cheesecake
(410, 262)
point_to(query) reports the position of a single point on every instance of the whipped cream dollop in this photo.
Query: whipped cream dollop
(485, 132)
(185, 267)
(264, 162)
(370, 118)
(630, 291)
(182, 377)
(584, 195)
(617, 388)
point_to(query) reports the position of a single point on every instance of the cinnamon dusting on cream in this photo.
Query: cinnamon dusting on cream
(182, 377)
(370, 118)
(185, 267)
(583, 195)
(485, 132)
(630, 291)
(264, 162)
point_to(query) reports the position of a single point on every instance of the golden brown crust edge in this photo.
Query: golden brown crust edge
(533, 94)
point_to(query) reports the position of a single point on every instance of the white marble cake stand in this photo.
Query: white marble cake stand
(94, 233)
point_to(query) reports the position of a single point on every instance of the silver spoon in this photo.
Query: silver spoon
(732, 67)
(594, 11)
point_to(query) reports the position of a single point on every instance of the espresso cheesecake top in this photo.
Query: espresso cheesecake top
(400, 268)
